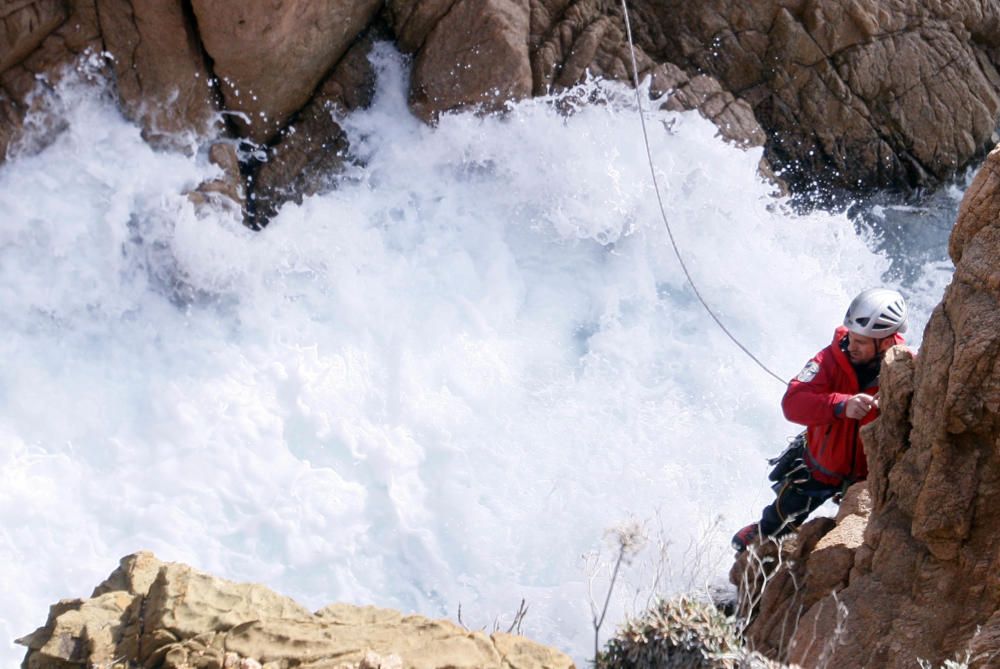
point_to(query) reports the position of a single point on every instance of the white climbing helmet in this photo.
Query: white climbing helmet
(876, 313)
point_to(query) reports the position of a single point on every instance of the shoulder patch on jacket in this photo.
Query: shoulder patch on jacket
(808, 372)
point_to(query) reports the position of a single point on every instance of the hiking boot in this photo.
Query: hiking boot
(745, 537)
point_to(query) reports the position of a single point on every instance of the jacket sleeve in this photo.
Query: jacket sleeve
(810, 398)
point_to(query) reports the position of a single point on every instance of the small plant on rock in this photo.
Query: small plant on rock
(681, 633)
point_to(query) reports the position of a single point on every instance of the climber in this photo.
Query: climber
(833, 396)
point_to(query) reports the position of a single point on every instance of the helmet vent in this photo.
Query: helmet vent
(863, 321)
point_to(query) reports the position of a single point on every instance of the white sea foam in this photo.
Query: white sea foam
(436, 386)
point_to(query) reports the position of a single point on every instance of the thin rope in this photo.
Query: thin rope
(663, 213)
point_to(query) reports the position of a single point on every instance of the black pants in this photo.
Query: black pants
(793, 505)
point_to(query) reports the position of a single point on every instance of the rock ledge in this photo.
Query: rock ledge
(160, 615)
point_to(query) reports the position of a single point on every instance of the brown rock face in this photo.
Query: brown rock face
(40, 41)
(227, 189)
(589, 38)
(163, 80)
(476, 55)
(24, 25)
(851, 95)
(170, 616)
(778, 582)
(865, 93)
(312, 149)
(269, 57)
(925, 582)
(934, 532)
(484, 53)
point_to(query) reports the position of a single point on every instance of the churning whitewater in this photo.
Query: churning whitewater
(436, 386)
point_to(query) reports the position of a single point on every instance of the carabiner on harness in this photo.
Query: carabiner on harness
(789, 465)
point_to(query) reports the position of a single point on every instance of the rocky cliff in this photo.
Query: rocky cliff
(850, 92)
(169, 616)
(852, 95)
(918, 578)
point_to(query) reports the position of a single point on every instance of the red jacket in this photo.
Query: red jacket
(814, 399)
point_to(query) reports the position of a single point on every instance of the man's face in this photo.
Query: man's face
(862, 350)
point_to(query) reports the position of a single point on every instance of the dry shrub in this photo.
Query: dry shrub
(680, 633)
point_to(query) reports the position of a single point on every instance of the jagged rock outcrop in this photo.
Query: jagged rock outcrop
(924, 584)
(227, 189)
(588, 38)
(483, 54)
(474, 49)
(163, 79)
(865, 93)
(269, 58)
(24, 25)
(42, 39)
(313, 147)
(169, 616)
(279, 73)
(850, 95)
(779, 582)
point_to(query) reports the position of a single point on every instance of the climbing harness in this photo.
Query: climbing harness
(663, 214)
(789, 464)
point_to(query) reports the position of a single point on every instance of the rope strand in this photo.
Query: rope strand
(663, 214)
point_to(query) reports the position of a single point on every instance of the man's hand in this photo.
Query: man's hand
(858, 406)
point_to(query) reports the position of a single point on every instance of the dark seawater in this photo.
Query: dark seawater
(912, 229)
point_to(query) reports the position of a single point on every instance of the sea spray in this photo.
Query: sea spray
(436, 385)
